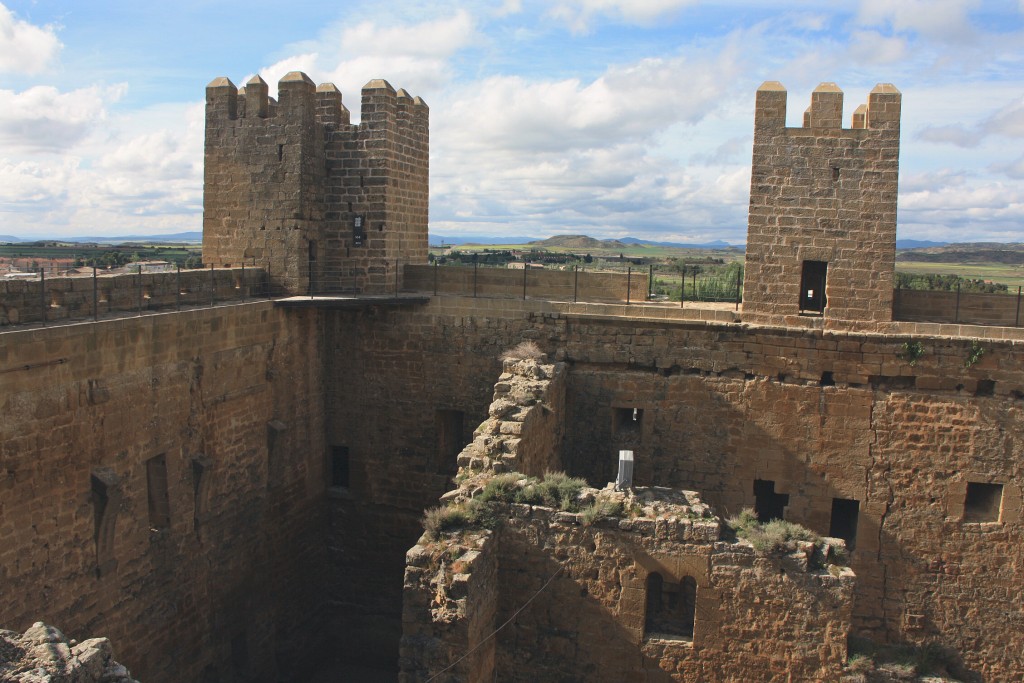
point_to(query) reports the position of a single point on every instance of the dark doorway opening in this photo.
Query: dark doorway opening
(449, 426)
(845, 513)
(768, 505)
(812, 287)
(670, 606)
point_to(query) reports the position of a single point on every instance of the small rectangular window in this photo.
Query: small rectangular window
(157, 493)
(983, 502)
(340, 467)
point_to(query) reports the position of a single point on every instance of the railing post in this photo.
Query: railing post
(213, 287)
(575, 283)
(177, 287)
(524, 280)
(435, 277)
(682, 287)
(139, 278)
(396, 278)
(956, 316)
(650, 281)
(42, 295)
(95, 296)
(474, 279)
(629, 283)
(243, 281)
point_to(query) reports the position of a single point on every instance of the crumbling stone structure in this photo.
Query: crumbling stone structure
(42, 654)
(821, 236)
(241, 484)
(294, 186)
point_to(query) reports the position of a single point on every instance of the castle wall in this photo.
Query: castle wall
(552, 285)
(824, 194)
(725, 404)
(217, 578)
(949, 307)
(287, 182)
(70, 298)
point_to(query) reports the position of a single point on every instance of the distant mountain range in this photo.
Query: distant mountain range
(571, 242)
(195, 237)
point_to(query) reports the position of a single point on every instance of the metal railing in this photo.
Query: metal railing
(48, 300)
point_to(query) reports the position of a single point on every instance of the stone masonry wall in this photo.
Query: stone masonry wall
(947, 307)
(162, 483)
(287, 182)
(67, 298)
(823, 193)
(553, 285)
(724, 404)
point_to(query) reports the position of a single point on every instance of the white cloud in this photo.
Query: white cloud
(1008, 121)
(947, 20)
(44, 119)
(871, 47)
(24, 47)
(578, 14)
(1012, 169)
(411, 56)
(952, 135)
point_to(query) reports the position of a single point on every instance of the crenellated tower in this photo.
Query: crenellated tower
(821, 235)
(323, 204)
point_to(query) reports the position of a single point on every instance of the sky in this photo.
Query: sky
(609, 118)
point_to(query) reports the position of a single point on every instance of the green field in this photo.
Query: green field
(104, 254)
(1007, 274)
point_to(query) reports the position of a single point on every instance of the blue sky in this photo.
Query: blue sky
(603, 117)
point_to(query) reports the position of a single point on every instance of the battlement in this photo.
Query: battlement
(882, 111)
(319, 202)
(297, 94)
(821, 236)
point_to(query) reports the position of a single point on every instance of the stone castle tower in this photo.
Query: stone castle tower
(821, 235)
(322, 204)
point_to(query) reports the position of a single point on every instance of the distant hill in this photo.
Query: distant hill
(458, 240)
(176, 237)
(585, 242)
(918, 244)
(967, 252)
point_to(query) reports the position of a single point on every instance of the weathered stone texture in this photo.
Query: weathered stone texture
(551, 285)
(827, 194)
(225, 583)
(286, 182)
(42, 654)
(69, 298)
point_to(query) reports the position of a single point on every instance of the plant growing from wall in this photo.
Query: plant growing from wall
(975, 354)
(911, 352)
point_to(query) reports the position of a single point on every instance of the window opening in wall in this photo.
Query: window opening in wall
(340, 467)
(845, 514)
(983, 502)
(827, 380)
(450, 435)
(627, 422)
(812, 287)
(986, 387)
(157, 493)
(768, 505)
(670, 607)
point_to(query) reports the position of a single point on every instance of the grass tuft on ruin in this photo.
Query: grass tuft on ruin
(775, 536)
(526, 350)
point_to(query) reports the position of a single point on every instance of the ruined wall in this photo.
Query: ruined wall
(552, 285)
(319, 202)
(829, 417)
(162, 483)
(571, 600)
(722, 405)
(825, 194)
